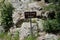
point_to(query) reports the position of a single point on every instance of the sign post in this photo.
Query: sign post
(31, 27)
(30, 15)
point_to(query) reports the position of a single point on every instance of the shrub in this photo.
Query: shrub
(52, 26)
(6, 15)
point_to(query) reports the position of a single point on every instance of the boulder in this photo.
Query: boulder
(40, 24)
(51, 37)
(48, 37)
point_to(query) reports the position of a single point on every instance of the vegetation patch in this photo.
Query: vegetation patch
(5, 36)
(30, 38)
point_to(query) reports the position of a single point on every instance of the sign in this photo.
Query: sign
(30, 14)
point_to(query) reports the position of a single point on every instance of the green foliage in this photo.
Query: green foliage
(58, 38)
(53, 1)
(54, 5)
(30, 38)
(58, 17)
(6, 15)
(5, 36)
(52, 26)
(50, 7)
(33, 21)
(2, 35)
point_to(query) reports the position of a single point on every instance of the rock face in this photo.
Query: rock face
(17, 16)
(48, 37)
(25, 30)
(51, 37)
(40, 24)
(23, 5)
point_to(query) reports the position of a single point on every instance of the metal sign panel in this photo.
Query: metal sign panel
(30, 14)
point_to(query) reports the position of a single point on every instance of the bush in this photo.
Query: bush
(52, 26)
(6, 15)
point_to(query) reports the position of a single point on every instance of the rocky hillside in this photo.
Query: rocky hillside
(22, 6)
(34, 27)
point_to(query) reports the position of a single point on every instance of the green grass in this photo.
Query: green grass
(5, 36)
(59, 39)
(30, 38)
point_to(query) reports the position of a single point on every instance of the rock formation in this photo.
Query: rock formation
(22, 6)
